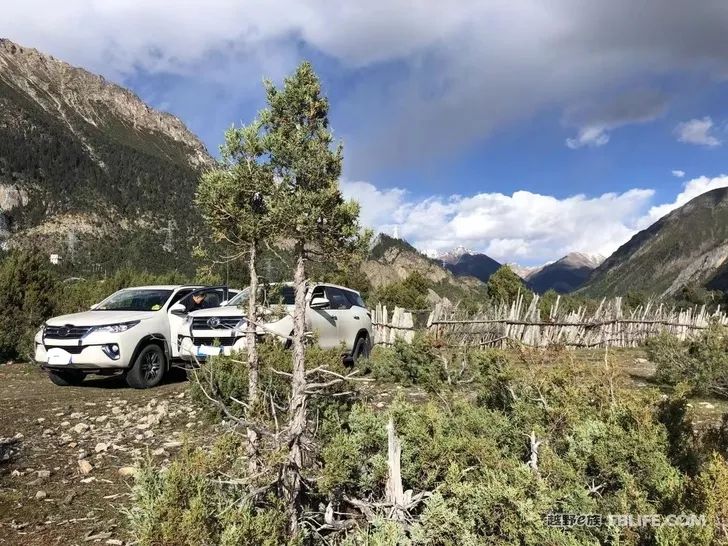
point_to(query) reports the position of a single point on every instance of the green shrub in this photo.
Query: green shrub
(415, 363)
(27, 298)
(193, 502)
(701, 363)
(411, 293)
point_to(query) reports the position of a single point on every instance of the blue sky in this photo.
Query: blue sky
(515, 129)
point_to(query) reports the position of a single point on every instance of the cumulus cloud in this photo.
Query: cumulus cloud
(697, 131)
(593, 136)
(678, 173)
(524, 227)
(441, 79)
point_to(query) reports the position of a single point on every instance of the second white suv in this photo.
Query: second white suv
(335, 314)
(133, 331)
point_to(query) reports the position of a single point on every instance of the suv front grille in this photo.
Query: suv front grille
(222, 341)
(71, 349)
(67, 332)
(214, 323)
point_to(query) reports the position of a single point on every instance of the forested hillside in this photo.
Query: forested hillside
(86, 167)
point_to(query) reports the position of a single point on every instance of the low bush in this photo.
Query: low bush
(196, 501)
(701, 363)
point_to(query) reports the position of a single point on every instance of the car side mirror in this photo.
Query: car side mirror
(178, 309)
(320, 303)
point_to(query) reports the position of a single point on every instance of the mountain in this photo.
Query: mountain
(564, 275)
(689, 246)
(454, 255)
(392, 260)
(525, 271)
(463, 262)
(479, 266)
(87, 168)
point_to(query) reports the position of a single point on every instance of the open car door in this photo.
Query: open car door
(196, 298)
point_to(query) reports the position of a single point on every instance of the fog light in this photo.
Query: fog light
(112, 351)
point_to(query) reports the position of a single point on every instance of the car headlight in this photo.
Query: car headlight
(117, 328)
(241, 326)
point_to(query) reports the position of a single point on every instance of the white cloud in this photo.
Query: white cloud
(525, 227)
(678, 173)
(589, 136)
(691, 189)
(697, 131)
(522, 226)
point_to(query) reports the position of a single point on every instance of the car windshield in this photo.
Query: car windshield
(271, 295)
(134, 299)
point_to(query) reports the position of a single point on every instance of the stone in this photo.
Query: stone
(158, 452)
(80, 427)
(101, 447)
(65, 423)
(127, 471)
(40, 495)
(76, 415)
(172, 444)
(84, 466)
(44, 473)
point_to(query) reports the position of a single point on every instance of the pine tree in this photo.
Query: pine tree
(235, 199)
(313, 216)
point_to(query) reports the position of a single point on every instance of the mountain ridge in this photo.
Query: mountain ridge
(86, 166)
(687, 246)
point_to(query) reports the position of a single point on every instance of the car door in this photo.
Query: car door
(213, 297)
(347, 320)
(321, 321)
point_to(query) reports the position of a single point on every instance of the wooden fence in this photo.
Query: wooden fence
(610, 325)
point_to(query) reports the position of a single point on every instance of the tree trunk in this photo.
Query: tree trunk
(298, 409)
(252, 348)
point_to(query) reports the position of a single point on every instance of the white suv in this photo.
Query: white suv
(133, 331)
(337, 315)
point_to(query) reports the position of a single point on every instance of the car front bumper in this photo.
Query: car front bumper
(198, 349)
(94, 352)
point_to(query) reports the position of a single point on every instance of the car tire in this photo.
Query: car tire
(148, 368)
(362, 348)
(66, 378)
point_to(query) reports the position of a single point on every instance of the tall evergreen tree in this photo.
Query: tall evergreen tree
(314, 217)
(235, 199)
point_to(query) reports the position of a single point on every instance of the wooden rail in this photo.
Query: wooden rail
(610, 325)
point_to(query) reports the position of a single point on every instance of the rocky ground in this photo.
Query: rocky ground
(70, 480)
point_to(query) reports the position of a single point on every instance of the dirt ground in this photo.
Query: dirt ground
(71, 479)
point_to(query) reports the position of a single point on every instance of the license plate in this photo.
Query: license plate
(58, 357)
(209, 350)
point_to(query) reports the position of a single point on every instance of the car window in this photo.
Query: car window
(134, 299)
(354, 298)
(179, 295)
(337, 298)
(203, 299)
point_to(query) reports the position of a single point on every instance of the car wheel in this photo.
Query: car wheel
(362, 348)
(66, 378)
(148, 368)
